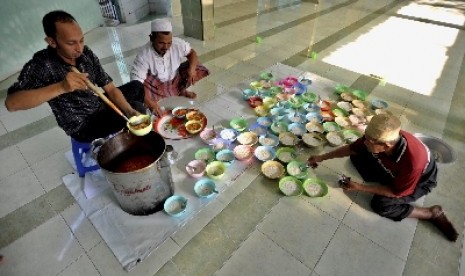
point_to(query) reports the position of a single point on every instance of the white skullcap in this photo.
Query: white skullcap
(162, 25)
(383, 128)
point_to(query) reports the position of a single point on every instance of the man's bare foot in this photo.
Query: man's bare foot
(440, 220)
(190, 95)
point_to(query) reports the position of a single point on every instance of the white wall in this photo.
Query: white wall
(21, 29)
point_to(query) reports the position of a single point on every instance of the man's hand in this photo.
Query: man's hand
(192, 75)
(74, 81)
(313, 161)
(350, 185)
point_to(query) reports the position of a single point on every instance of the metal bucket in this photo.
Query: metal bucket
(138, 169)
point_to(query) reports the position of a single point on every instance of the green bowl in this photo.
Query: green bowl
(331, 126)
(309, 97)
(315, 187)
(286, 154)
(339, 112)
(351, 135)
(296, 101)
(215, 169)
(205, 154)
(290, 186)
(360, 94)
(297, 169)
(239, 124)
(339, 88)
(266, 76)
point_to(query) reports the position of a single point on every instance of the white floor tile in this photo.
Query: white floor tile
(12, 161)
(82, 267)
(45, 144)
(14, 120)
(81, 226)
(51, 170)
(46, 250)
(259, 255)
(351, 254)
(299, 228)
(17, 190)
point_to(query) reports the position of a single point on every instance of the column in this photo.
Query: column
(197, 18)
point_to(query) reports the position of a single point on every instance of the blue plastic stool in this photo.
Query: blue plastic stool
(79, 149)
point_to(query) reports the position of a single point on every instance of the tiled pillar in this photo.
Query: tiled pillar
(197, 18)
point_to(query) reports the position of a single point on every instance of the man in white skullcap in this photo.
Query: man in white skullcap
(402, 165)
(159, 65)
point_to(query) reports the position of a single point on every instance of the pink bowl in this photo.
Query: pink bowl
(196, 168)
(207, 134)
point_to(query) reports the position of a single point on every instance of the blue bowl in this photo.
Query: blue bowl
(226, 156)
(258, 129)
(248, 92)
(264, 153)
(297, 128)
(229, 134)
(299, 88)
(268, 140)
(314, 116)
(175, 205)
(205, 187)
(264, 121)
(311, 107)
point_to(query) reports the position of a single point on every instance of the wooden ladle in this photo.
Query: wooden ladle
(99, 93)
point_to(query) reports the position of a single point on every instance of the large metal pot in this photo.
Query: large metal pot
(141, 191)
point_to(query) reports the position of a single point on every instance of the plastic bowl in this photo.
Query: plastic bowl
(351, 135)
(196, 168)
(239, 124)
(229, 134)
(313, 139)
(193, 127)
(261, 110)
(297, 169)
(290, 186)
(296, 102)
(315, 187)
(331, 126)
(248, 92)
(205, 154)
(142, 128)
(286, 154)
(247, 138)
(205, 187)
(288, 138)
(272, 169)
(360, 94)
(179, 112)
(264, 121)
(219, 144)
(297, 128)
(314, 127)
(314, 117)
(279, 127)
(269, 102)
(309, 97)
(378, 104)
(207, 134)
(266, 76)
(215, 169)
(268, 140)
(264, 153)
(255, 101)
(243, 152)
(258, 129)
(225, 155)
(311, 107)
(339, 88)
(175, 205)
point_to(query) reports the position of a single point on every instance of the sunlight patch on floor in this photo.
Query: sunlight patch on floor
(383, 50)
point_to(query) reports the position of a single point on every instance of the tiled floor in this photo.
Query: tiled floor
(417, 46)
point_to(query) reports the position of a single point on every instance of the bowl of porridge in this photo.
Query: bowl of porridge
(243, 152)
(272, 169)
(286, 154)
(264, 153)
(315, 187)
(290, 186)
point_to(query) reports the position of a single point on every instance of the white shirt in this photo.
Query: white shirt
(164, 67)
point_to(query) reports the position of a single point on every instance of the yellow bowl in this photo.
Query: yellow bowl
(216, 169)
(193, 127)
(142, 128)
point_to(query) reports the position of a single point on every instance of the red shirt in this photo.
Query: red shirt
(405, 165)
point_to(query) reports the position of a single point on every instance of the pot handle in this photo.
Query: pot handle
(171, 154)
(95, 147)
